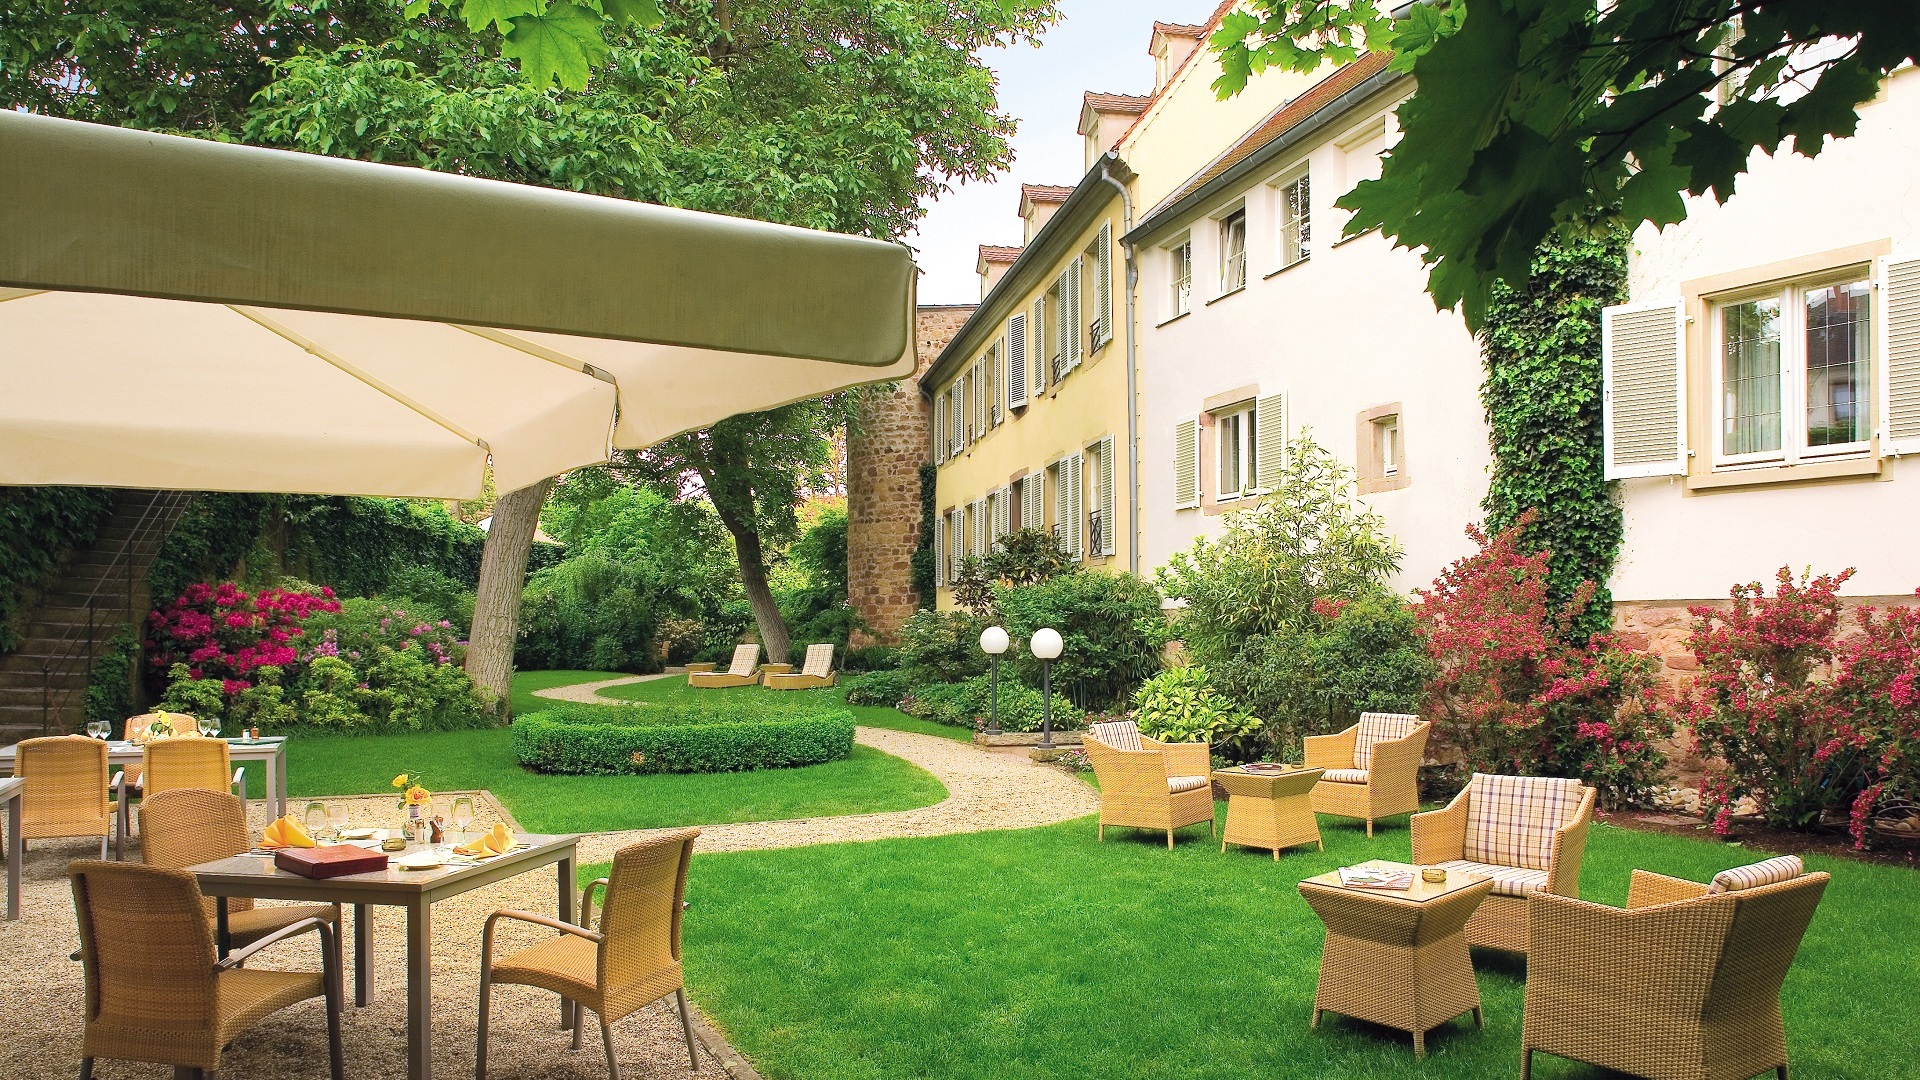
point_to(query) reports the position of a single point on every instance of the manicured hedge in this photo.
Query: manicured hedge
(599, 740)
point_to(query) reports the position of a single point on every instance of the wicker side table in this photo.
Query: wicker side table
(1397, 958)
(1270, 810)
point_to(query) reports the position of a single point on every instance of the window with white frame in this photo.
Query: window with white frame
(1235, 449)
(1791, 371)
(1294, 200)
(1233, 251)
(1386, 445)
(1180, 278)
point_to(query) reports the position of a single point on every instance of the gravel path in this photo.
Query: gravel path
(45, 990)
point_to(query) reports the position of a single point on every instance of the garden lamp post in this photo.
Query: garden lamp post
(1045, 647)
(993, 642)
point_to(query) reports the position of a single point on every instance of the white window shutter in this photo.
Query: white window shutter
(997, 376)
(940, 553)
(1032, 514)
(1899, 319)
(980, 397)
(1109, 520)
(1074, 316)
(1103, 288)
(1186, 463)
(1269, 441)
(1038, 384)
(957, 432)
(1076, 507)
(940, 430)
(956, 546)
(1643, 410)
(1017, 361)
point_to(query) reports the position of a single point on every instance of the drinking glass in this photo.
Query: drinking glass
(338, 816)
(98, 729)
(207, 727)
(316, 818)
(463, 816)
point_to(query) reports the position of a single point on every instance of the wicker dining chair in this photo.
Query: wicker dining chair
(1683, 984)
(815, 672)
(185, 827)
(67, 790)
(1148, 784)
(1527, 833)
(1372, 768)
(138, 730)
(632, 960)
(156, 991)
(744, 671)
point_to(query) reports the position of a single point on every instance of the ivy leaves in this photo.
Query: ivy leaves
(1531, 116)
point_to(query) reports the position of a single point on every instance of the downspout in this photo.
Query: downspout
(1133, 409)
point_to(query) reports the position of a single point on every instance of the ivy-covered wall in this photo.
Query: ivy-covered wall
(38, 526)
(923, 555)
(1542, 395)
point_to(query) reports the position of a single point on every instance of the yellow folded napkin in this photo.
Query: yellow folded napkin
(498, 841)
(285, 832)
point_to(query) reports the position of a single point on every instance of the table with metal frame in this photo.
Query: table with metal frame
(270, 751)
(13, 792)
(415, 890)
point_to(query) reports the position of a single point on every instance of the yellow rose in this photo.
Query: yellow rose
(419, 796)
(400, 781)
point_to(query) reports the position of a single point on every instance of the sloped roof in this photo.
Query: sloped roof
(1044, 192)
(995, 254)
(1174, 29)
(1116, 103)
(1213, 22)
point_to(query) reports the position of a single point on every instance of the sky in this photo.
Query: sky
(1099, 45)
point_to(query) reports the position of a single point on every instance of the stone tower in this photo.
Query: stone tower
(883, 487)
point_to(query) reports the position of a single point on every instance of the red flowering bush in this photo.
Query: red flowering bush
(1760, 708)
(1511, 694)
(223, 632)
(1876, 685)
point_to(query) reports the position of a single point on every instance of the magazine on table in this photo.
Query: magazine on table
(1375, 877)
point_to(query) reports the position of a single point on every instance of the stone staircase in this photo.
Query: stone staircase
(101, 590)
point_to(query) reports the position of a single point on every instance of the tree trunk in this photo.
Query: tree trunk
(753, 578)
(496, 604)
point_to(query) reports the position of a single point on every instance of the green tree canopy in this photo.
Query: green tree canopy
(1532, 115)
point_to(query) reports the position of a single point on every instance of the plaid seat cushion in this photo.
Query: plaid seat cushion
(1178, 784)
(1754, 875)
(1511, 819)
(819, 662)
(1507, 880)
(1379, 727)
(1119, 734)
(1345, 776)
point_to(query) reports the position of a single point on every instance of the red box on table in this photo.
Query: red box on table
(329, 862)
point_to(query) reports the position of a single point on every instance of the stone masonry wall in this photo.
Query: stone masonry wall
(883, 488)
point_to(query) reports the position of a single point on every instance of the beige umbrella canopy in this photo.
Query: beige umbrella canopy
(176, 313)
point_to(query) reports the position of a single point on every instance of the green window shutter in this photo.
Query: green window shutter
(1109, 517)
(1103, 288)
(1643, 408)
(1899, 320)
(1269, 441)
(1186, 463)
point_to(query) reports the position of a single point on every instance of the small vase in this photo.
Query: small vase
(413, 829)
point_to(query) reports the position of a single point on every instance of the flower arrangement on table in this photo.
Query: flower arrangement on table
(416, 800)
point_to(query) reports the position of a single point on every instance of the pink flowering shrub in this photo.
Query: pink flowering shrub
(223, 632)
(1876, 684)
(1511, 694)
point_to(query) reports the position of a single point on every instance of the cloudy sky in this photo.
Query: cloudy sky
(1099, 45)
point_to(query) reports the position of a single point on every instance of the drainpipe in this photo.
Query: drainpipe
(1133, 410)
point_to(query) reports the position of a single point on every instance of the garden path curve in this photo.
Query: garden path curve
(985, 791)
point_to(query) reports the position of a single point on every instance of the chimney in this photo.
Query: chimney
(1170, 46)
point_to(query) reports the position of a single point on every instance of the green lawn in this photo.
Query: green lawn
(867, 782)
(1040, 953)
(866, 715)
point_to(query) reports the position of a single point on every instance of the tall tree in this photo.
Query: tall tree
(1537, 116)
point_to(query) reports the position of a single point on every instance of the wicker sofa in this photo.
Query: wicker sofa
(1372, 767)
(1683, 984)
(1147, 784)
(1527, 833)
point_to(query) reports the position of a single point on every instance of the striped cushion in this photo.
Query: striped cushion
(1511, 819)
(1119, 734)
(1378, 727)
(1507, 880)
(1345, 776)
(819, 661)
(1178, 784)
(745, 659)
(1754, 875)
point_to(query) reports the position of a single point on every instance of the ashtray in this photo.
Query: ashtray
(1433, 875)
(394, 843)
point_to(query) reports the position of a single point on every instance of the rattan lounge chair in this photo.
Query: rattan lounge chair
(1147, 784)
(1683, 984)
(632, 960)
(744, 671)
(816, 672)
(184, 827)
(1527, 833)
(156, 991)
(1372, 768)
(67, 790)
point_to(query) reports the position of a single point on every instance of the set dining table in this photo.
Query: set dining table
(269, 750)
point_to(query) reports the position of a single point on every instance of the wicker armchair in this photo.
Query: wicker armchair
(1684, 984)
(156, 992)
(1372, 767)
(184, 827)
(632, 960)
(816, 672)
(1147, 784)
(67, 790)
(744, 671)
(1527, 833)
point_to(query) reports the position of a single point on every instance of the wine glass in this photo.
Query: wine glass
(463, 816)
(97, 729)
(316, 818)
(207, 727)
(338, 816)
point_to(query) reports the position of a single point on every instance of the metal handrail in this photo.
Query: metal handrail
(69, 654)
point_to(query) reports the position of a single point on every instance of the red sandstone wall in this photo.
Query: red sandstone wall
(883, 489)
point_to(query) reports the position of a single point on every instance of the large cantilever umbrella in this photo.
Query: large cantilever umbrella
(178, 313)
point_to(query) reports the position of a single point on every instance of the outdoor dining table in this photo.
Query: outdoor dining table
(270, 751)
(13, 791)
(417, 891)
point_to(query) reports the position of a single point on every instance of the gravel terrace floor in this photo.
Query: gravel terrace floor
(41, 1038)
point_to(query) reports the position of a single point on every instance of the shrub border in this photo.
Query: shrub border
(614, 740)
